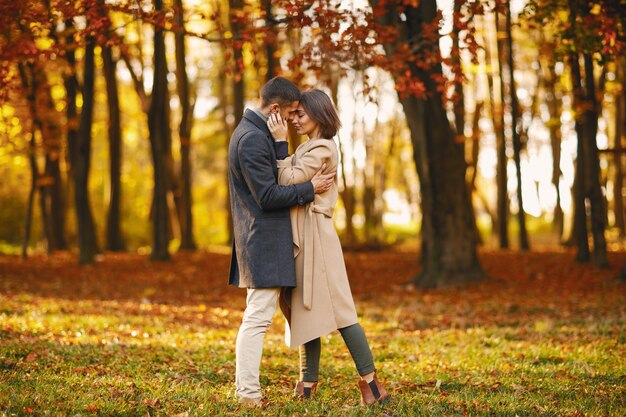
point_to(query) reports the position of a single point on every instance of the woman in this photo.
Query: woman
(322, 301)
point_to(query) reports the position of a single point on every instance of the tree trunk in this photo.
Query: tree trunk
(347, 196)
(502, 162)
(593, 189)
(158, 125)
(87, 242)
(459, 104)
(271, 42)
(114, 239)
(51, 183)
(475, 146)
(449, 242)
(71, 88)
(554, 126)
(29, 88)
(237, 87)
(228, 128)
(239, 70)
(184, 133)
(579, 219)
(618, 180)
(55, 200)
(369, 187)
(517, 143)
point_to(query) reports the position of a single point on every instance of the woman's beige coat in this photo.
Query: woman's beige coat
(322, 301)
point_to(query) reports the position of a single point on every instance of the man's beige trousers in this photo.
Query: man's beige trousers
(261, 305)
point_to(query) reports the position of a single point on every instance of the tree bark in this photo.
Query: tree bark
(28, 83)
(475, 151)
(270, 42)
(593, 189)
(449, 242)
(228, 128)
(517, 143)
(158, 126)
(51, 182)
(55, 200)
(502, 161)
(114, 239)
(184, 133)
(579, 219)
(587, 183)
(87, 242)
(71, 88)
(459, 104)
(618, 180)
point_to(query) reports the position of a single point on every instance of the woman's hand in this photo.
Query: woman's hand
(278, 127)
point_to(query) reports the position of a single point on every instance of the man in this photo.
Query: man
(262, 257)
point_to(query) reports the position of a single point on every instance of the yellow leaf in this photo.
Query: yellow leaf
(596, 9)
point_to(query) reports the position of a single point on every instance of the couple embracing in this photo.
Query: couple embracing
(285, 248)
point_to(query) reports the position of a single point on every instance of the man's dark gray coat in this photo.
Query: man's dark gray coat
(262, 254)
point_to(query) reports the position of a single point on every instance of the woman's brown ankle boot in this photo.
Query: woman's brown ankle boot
(304, 393)
(372, 392)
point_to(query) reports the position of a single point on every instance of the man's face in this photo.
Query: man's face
(287, 111)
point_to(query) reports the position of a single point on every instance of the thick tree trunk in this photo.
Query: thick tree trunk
(587, 181)
(114, 239)
(87, 242)
(449, 241)
(517, 143)
(158, 125)
(448, 238)
(184, 133)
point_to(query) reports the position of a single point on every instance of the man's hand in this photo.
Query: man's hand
(322, 182)
(278, 127)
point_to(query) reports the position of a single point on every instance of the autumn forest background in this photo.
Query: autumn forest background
(481, 200)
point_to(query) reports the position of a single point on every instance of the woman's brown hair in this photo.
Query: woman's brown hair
(320, 108)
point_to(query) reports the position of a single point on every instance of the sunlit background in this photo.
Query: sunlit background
(374, 138)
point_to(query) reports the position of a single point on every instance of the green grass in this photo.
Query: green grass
(64, 357)
(542, 336)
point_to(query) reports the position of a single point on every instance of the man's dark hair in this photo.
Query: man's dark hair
(320, 108)
(279, 90)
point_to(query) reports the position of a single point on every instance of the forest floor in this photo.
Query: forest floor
(126, 336)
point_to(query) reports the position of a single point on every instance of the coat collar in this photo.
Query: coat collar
(257, 121)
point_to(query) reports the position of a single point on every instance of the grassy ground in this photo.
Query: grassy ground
(542, 336)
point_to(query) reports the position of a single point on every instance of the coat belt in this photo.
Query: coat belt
(310, 234)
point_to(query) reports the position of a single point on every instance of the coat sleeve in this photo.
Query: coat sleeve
(257, 166)
(301, 168)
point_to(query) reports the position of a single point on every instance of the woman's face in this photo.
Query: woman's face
(303, 123)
